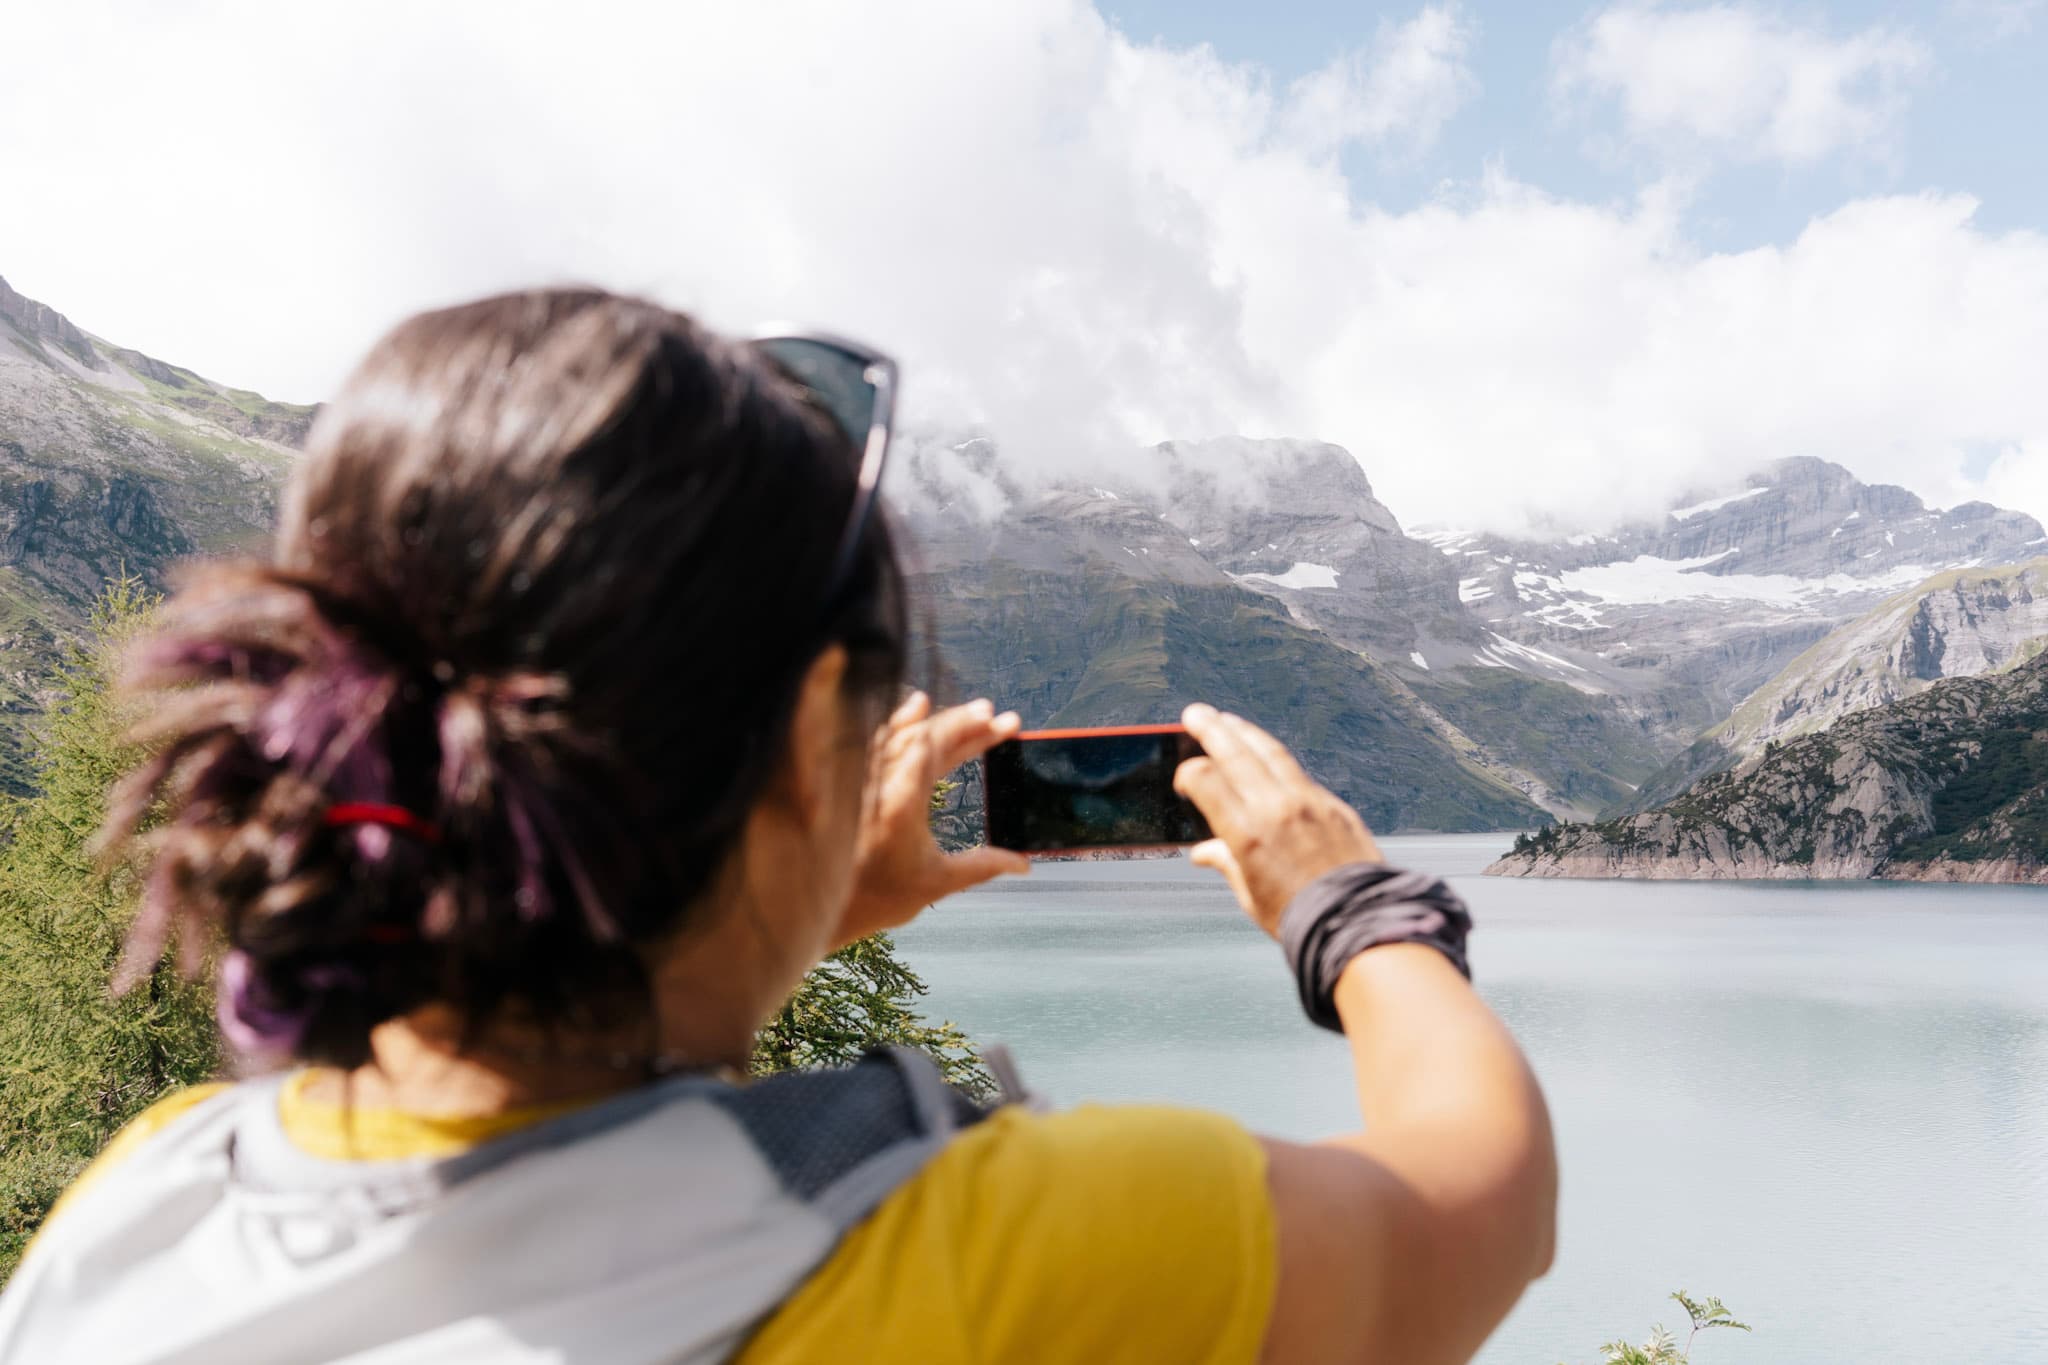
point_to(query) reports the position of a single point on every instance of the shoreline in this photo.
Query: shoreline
(1592, 867)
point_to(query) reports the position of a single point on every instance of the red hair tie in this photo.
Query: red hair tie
(390, 817)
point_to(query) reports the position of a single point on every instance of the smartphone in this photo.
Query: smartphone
(1061, 791)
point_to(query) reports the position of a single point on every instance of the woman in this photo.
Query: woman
(526, 781)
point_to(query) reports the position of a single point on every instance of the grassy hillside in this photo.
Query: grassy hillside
(1584, 748)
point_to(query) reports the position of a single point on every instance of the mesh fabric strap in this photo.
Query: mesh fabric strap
(1359, 906)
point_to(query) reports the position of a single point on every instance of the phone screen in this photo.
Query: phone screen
(1058, 790)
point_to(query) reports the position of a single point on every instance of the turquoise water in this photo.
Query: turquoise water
(1827, 1104)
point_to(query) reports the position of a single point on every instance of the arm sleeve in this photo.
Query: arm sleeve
(1126, 1234)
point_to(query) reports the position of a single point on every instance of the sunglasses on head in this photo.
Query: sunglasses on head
(857, 387)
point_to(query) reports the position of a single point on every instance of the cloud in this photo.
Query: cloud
(2019, 478)
(1076, 243)
(1402, 87)
(1998, 20)
(1739, 83)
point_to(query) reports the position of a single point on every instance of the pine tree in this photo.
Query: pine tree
(77, 1062)
(862, 997)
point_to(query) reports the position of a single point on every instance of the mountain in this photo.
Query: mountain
(1685, 617)
(1296, 522)
(1082, 606)
(111, 462)
(1947, 785)
(1576, 671)
(1958, 624)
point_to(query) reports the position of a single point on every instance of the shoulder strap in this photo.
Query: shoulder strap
(842, 1140)
(837, 1140)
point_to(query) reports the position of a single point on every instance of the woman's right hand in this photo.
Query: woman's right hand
(1276, 828)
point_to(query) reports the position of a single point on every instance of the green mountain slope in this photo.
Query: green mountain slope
(1088, 645)
(1950, 784)
(111, 462)
(1586, 751)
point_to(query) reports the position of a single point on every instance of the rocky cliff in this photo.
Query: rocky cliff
(1083, 605)
(1683, 618)
(1295, 523)
(1950, 784)
(111, 462)
(1959, 624)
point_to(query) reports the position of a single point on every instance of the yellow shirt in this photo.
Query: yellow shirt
(1100, 1234)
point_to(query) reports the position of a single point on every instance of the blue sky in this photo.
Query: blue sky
(1976, 121)
(1537, 266)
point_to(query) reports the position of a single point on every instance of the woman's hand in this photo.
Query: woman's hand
(899, 868)
(1277, 830)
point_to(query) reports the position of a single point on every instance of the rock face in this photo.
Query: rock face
(1960, 624)
(1088, 606)
(110, 463)
(1950, 784)
(44, 323)
(1577, 672)
(1296, 523)
(1687, 617)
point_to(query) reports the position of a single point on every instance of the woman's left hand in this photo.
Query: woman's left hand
(899, 868)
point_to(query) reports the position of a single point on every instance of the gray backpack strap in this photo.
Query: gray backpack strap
(839, 1141)
(1010, 1086)
(843, 1140)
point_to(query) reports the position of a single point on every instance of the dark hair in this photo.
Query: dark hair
(549, 576)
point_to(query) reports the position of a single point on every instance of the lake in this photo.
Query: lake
(1826, 1103)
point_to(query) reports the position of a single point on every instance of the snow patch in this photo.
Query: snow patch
(1570, 615)
(1533, 655)
(1302, 575)
(1415, 657)
(1698, 508)
(1646, 579)
(1473, 590)
(1452, 543)
(1105, 493)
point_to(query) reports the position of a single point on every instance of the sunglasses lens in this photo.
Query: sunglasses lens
(837, 377)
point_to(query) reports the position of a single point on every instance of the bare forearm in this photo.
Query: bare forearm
(1411, 1240)
(1453, 1111)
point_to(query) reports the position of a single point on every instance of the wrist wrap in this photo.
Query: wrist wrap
(1359, 906)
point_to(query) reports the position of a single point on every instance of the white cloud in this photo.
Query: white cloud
(1740, 83)
(1998, 20)
(1074, 241)
(2019, 478)
(1402, 87)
